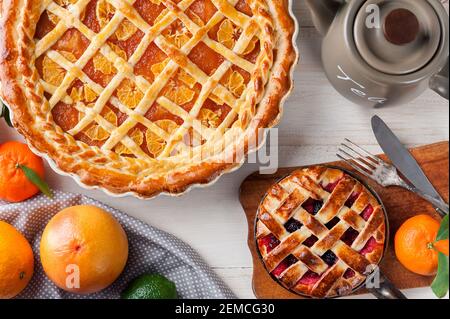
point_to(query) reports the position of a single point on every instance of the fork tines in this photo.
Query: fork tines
(358, 158)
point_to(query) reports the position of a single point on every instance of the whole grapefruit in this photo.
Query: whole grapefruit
(84, 249)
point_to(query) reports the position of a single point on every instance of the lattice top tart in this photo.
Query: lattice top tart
(320, 232)
(145, 96)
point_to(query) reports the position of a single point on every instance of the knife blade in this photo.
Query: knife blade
(402, 158)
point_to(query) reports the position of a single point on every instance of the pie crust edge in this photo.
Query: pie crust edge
(18, 80)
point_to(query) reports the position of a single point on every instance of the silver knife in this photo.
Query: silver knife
(405, 162)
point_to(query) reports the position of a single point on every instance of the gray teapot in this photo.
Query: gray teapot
(384, 52)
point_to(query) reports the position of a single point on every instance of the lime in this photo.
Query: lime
(150, 286)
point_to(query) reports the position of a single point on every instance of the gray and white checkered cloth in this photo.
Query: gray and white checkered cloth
(150, 251)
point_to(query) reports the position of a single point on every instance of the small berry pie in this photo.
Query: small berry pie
(320, 232)
(145, 96)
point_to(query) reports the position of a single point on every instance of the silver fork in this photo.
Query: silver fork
(381, 172)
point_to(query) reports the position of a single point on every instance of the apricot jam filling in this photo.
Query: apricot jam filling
(181, 92)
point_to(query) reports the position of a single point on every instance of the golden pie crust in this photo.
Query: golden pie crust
(145, 96)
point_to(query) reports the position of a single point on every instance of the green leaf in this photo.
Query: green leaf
(5, 114)
(440, 283)
(443, 230)
(36, 180)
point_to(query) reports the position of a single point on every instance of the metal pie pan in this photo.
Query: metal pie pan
(371, 190)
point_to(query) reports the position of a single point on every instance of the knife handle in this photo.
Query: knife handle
(441, 212)
(441, 207)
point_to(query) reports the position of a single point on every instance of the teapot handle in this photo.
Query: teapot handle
(439, 82)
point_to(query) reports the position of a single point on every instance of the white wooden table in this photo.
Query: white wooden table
(316, 120)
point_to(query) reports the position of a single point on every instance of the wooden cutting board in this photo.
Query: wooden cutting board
(400, 205)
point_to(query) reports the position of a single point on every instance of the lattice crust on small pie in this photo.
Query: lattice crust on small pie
(320, 232)
(130, 95)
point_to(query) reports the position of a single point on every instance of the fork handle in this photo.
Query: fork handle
(441, 207)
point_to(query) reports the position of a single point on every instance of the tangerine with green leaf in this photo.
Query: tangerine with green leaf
(15, 186)
(416, 247)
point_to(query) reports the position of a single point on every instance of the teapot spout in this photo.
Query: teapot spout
(323, 13)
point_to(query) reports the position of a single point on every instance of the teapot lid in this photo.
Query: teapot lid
(397, 36)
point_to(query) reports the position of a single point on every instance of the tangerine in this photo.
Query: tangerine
(415, 245)
(16, 261)
(14, 185)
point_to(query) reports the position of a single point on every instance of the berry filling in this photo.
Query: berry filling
(352, 199)
(332, 222)
(312, 206)
(349, 273)
(349, 236)
(367, 212)
(310, 241)
(329, 258)
(285, 264)
(292, 225)
(330, 186)
(270, 242)
(309, 278)
(369, 247)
